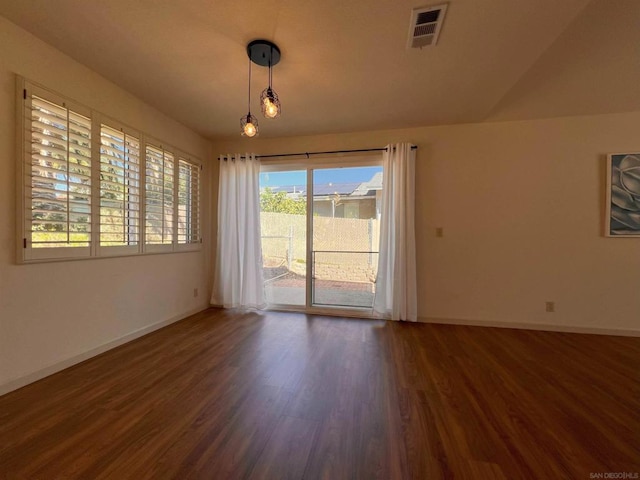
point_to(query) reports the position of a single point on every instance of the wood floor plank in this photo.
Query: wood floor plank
(236, 395)
(287, 450)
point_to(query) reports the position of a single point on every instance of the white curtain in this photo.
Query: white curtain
(238, 270)
(396, 296)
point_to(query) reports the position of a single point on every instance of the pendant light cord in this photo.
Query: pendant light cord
(249, 106)
(270, 58)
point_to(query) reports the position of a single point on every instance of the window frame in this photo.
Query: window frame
(24, 171)
(25, 253)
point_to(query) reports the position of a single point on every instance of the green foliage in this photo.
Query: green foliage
(279, 202)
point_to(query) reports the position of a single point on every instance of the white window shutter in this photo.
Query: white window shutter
(119, 188)
(159, 193)
(188, 202)
(58, 199)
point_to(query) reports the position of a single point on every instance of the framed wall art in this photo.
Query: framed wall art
(623, 195)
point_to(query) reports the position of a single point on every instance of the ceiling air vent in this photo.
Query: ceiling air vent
(425, 26)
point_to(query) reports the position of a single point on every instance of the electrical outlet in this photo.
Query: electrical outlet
(195, 292)
(439, 232)
(550, 307)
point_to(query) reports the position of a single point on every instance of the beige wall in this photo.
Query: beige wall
(56, 313)
(521, 205)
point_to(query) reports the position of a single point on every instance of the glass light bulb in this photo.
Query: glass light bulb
(271, 109)
(250, 130)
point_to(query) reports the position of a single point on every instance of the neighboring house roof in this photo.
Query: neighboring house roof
(333, 188)
(368, 188)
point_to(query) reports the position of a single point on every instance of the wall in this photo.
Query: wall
(55, 314)
(522, 207)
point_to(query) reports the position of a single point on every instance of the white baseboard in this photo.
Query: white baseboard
(535, 326)
(473, 323)
(56, 367)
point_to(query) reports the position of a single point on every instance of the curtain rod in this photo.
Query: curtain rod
(308, 154)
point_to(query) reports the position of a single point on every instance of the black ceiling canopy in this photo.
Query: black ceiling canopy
(263, 53)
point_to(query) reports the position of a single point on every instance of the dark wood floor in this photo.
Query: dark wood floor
(230, 396)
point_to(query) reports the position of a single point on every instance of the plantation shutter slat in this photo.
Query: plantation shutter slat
(59, 189)
(43, 171)
(114, 161)
(119, 188)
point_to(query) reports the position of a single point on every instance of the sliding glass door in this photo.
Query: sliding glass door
(283, 224)
(320, 234)
(344, 246)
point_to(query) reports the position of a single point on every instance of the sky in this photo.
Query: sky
(325, 175)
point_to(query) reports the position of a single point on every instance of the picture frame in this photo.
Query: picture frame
(622, 218)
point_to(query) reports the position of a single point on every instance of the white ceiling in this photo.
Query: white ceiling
(345, 66)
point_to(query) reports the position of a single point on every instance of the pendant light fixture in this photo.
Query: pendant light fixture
(265, 54)
(269, 101)
(249, 123)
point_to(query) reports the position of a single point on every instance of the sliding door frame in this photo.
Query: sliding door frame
(319, 163)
